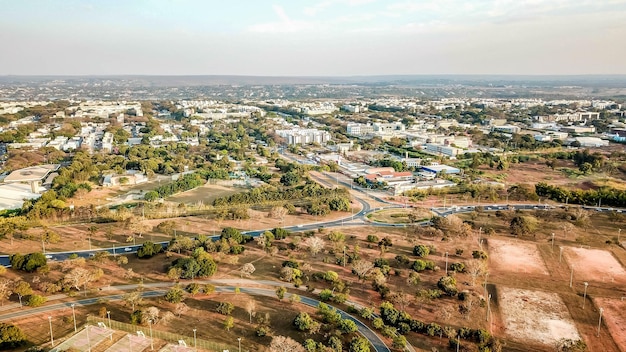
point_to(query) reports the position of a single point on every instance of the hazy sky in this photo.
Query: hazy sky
(306, 37)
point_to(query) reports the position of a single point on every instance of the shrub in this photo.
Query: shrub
(35, 300)
(448, 285)
(458, 267)
(225, 308)
(421, 251)
(372, 239)
(479, 255)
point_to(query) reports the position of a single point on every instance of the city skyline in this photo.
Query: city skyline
(313, 38)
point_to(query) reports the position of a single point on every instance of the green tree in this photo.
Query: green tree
(359, 344)
(35, 300)
(151, 196)
(523, 225)
(280, 292)
(304, 322)
(347, 326)
(11, 336)
(225, 308)
(421, 251)
(229, 323)
(175, 294)
(21, 289)
(149, 249)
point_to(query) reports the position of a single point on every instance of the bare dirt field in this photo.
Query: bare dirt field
(615, 319)
(516, 257)
(536, 316)
(595, 265)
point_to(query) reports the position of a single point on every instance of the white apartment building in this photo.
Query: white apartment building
(359, 129)
(304, 136)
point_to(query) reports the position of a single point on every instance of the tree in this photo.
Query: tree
(304, 322)
(35, 300)
(21, 289)
(523, 225)
(286, 344)
(384, 244)
(78, 277)
(448, 285)
(421, 251)
(6, 289)
(229, 323)
(225, 308)
(151, 196)
(133, 298)
(150, 314)
(247, 269)
(149, 249)
(250, 308)
(278, 212)
(175, 294)
(11, 336)
(290, 179)
(361, 267)
(476, 268)
(314, 244)
(347, 326)
(359, 344)
(280, 293)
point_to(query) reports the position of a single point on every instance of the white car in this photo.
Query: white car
(127, 249)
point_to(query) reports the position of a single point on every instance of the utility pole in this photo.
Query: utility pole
(553, 241)
(585, 294)
(51, 335)
(600, 322)
(110, 328)
(74, 317)
(446, 263)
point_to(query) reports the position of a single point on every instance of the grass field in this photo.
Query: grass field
(205, 194)
(399, 216)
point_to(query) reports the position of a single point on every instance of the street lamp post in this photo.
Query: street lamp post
(110, 328)
(51, 335)
(446, 263)
(553, 241)
(560, 253)
(488, 307)
(585, 294)
(88, 339)
(600, 321)
(74, 317)
(151, 340)
(195, 345)
(239, 340)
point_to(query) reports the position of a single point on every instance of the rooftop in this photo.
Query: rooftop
(33, 173)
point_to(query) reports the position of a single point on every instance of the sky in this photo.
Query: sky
(312, 38)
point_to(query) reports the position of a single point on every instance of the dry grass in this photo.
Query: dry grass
(536, 316)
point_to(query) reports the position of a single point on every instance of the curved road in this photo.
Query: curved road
(378, 344)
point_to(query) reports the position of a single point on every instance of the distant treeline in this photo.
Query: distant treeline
(309, 190)
(603, 196)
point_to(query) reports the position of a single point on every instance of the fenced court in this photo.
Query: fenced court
(175, 348)
(162, 335)
(130, 343)
(84, 340)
